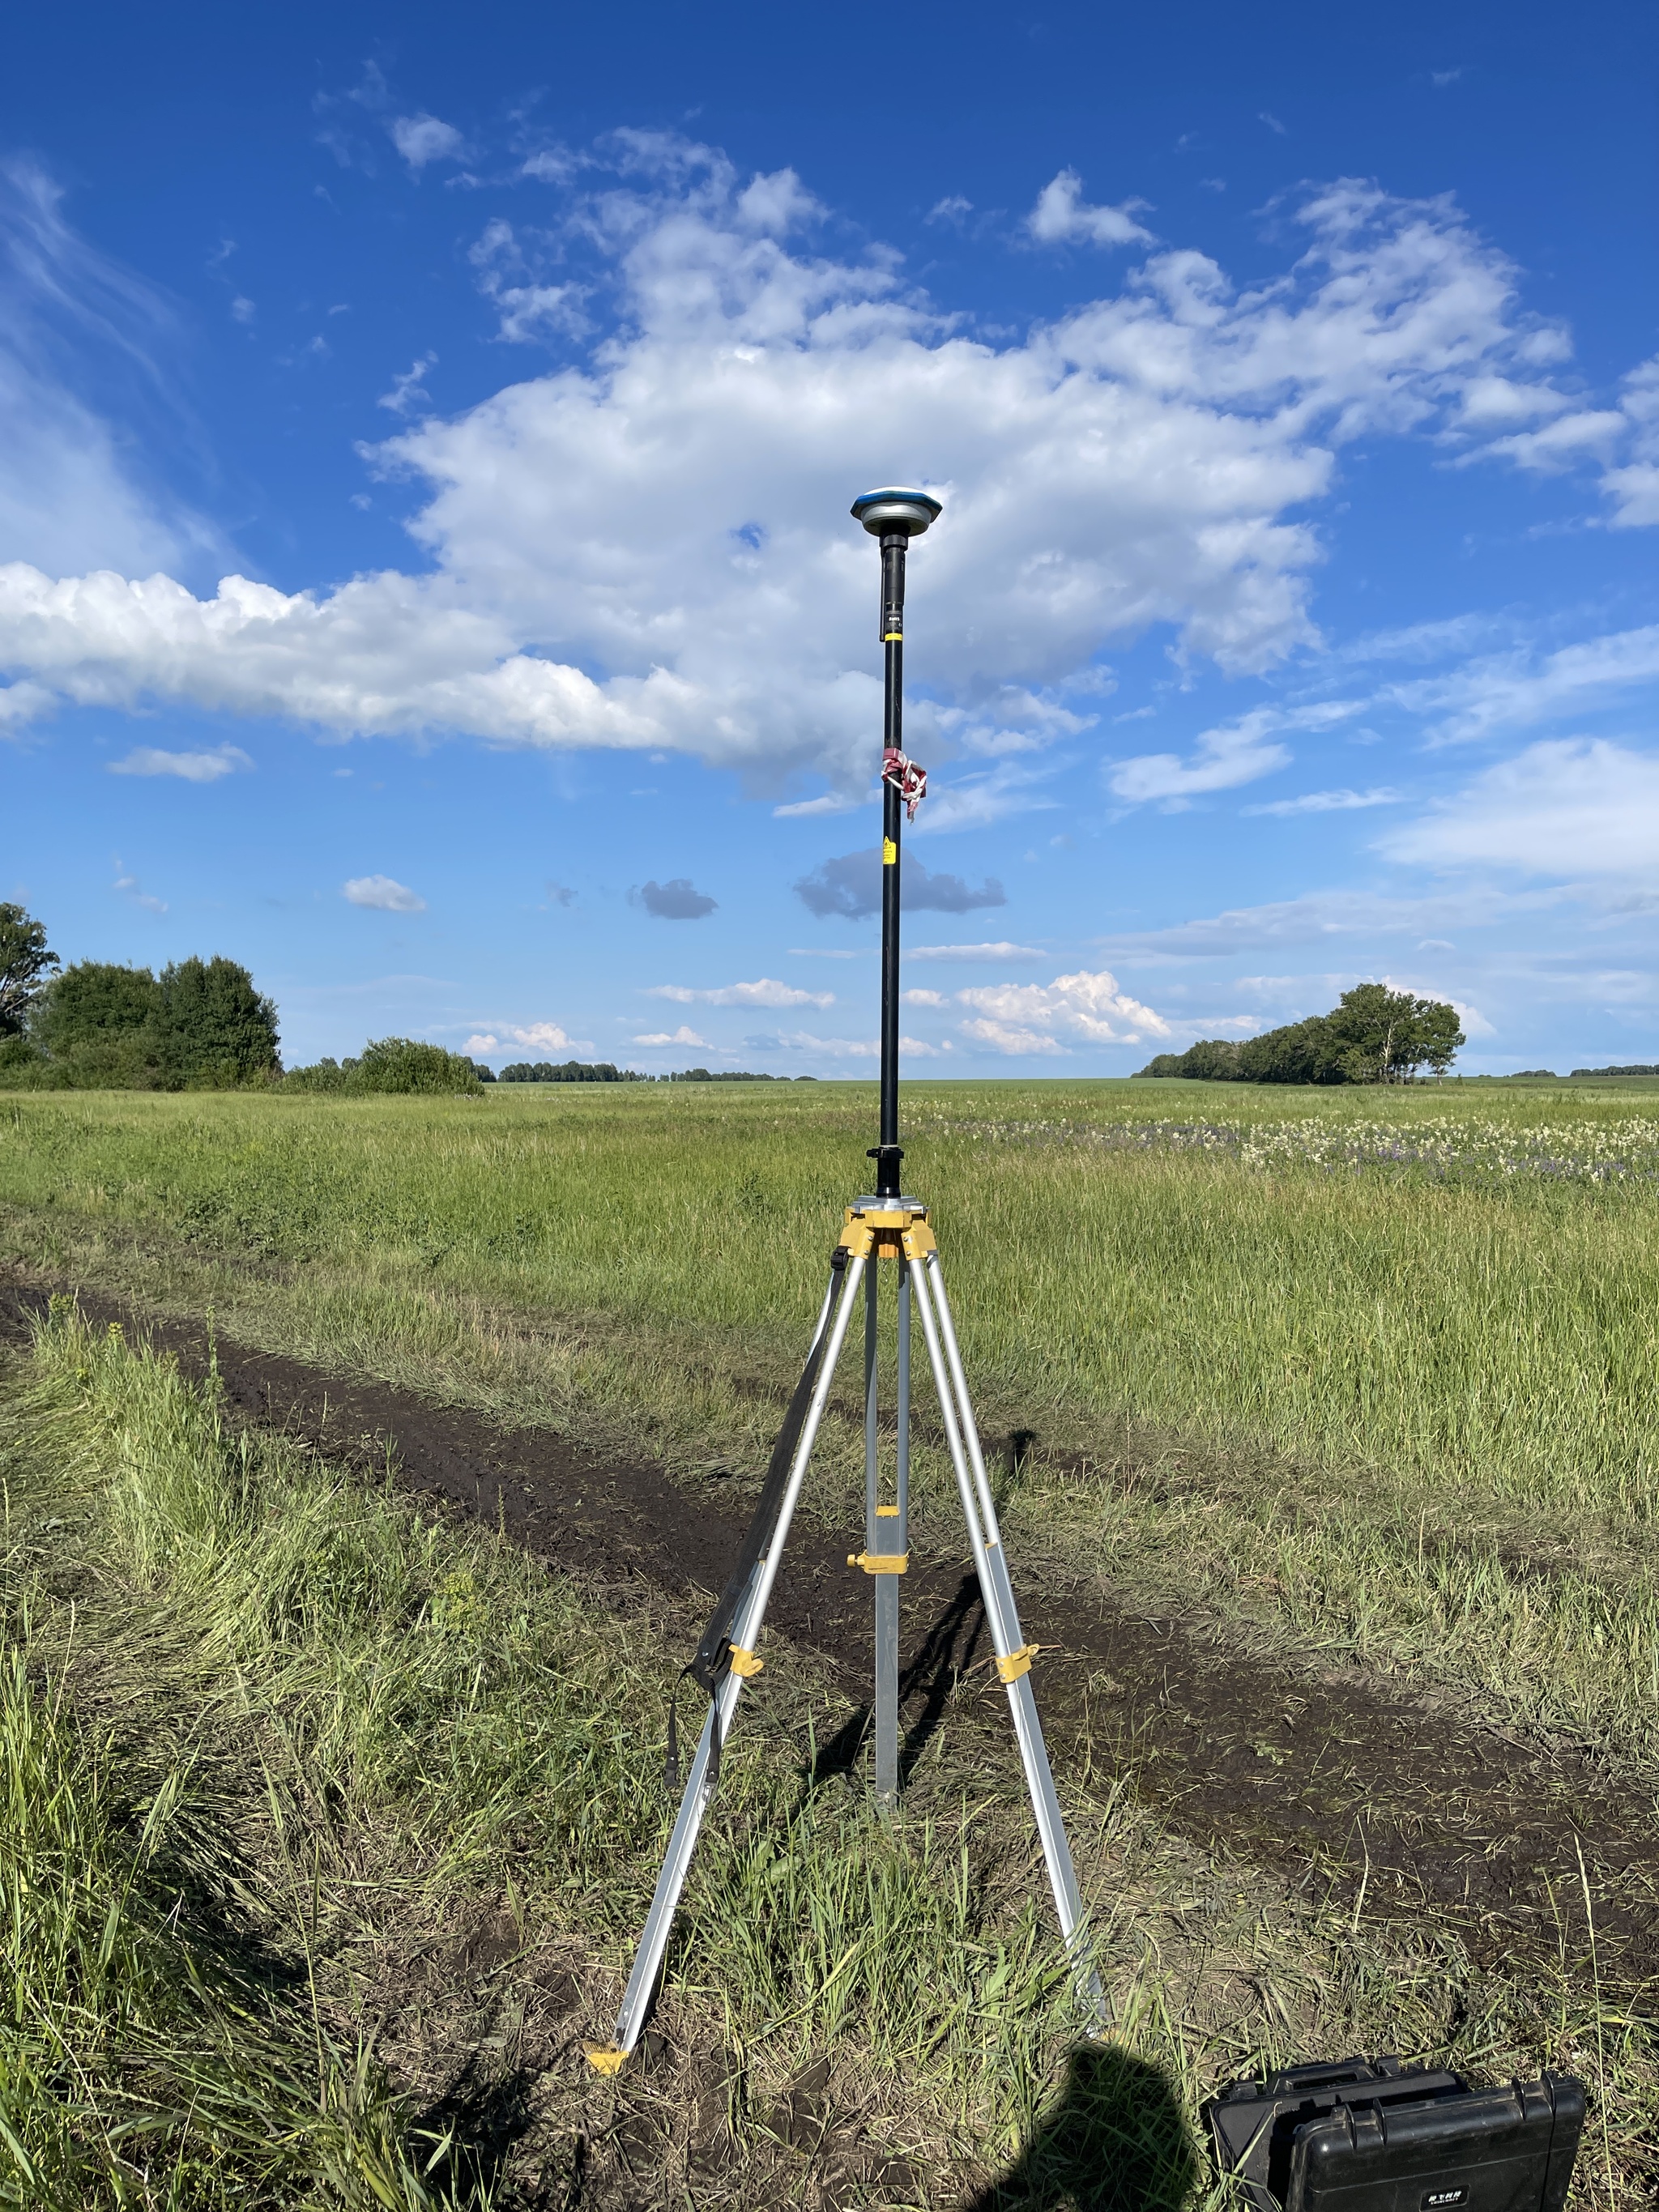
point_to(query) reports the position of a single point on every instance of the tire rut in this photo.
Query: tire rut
(1326, 1776)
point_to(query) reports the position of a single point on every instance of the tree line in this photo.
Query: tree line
(199, 1025)
(1372, 1034)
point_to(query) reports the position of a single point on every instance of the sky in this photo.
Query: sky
(426, 443)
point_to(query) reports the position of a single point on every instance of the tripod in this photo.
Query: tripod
(883, 1227)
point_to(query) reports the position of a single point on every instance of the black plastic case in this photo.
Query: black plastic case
(1370, 2135)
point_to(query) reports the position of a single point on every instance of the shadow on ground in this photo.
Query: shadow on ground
(1115, 2140)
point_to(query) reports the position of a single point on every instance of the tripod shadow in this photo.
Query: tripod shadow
(930, 1678)
(1115, 2140)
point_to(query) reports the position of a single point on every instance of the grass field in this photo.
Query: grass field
(1361, 1383)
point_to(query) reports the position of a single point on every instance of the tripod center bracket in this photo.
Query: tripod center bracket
(881, 1225)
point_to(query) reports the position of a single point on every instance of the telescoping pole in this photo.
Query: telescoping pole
(888, 1153)
(893, 516)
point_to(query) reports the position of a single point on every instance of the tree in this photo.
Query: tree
(26, 964)
(213, 1028)
(1380, 1035)
(98, 1006)
(1373, 1035)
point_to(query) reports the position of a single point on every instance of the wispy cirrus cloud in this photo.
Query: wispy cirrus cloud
(764, 991)
(1578, 807)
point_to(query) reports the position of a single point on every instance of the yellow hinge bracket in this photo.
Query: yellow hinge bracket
(880, 1562)
(1017, 1662)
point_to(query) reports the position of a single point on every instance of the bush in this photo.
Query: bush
(391, 1065)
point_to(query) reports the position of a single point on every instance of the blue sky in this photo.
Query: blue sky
(426, 438)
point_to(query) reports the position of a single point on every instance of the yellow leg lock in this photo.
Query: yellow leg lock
(745, 1663)
(605, 2057)
(880, 1562)
(1017, 1662)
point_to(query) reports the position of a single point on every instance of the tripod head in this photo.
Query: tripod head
(894, 515)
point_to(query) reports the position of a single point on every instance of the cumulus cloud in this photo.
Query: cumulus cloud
(851, 886)
(1063, 217)
(193, 767)
(423, 138)
(544, 1036)
(763, 992)
(681, 1036)
(483, 1041)
(384, 893)
(1086, 1008)
(599, 536)
(677, 900)
(1569, 806)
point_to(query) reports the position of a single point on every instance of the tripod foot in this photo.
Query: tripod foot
(605, 2057)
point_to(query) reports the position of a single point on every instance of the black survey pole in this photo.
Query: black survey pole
(888, 1153)
(894, 517)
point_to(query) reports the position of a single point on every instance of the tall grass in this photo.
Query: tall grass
(266, 1736)
(1403, 1405)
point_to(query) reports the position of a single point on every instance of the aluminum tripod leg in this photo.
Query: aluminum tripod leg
(677, 1863)
(1013, 1656)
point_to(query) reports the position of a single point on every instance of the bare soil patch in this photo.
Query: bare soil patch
(1331, 1776)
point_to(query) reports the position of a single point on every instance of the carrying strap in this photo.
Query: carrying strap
(711, 1663)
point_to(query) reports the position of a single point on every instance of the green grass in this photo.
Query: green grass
(1408, 1413)
(269, 1744)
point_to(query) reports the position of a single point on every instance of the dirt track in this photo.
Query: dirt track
(1296, 1769)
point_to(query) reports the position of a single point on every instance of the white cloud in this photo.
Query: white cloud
(1634, 488)
(423, 138)
(681, 1036)
(242, 310)
(1084, 1006)
(1577, 806)
(1328, 802)
(483, 1042)
(408, 395)
(1238, 752)
(543, 1036)
(1319, 917)
(1006, 1037)
(72, 496)
(828, 802)
(763, 992)
(1150, 458)
(529, 310)
(134, 891)
(383, 892)
(1063, 217)
(1512, 690)
(194, 768)
(926, 999)
(1002, 949)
